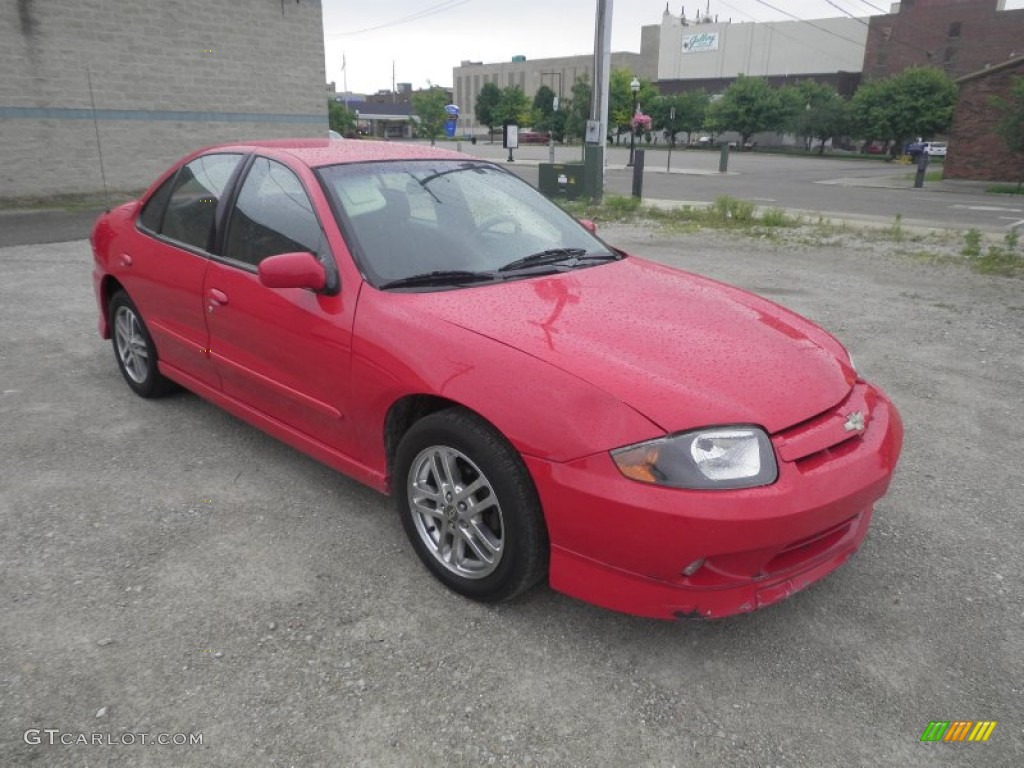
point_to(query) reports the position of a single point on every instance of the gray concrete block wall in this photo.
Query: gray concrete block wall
(190, 72)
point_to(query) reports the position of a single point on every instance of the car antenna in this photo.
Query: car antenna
(96, 127)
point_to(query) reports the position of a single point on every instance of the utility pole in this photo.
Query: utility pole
(594, 150)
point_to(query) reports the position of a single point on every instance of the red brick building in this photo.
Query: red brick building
(958, 36)
(976, 151)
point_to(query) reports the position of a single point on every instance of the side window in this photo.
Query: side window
(272, 215)
(153, 212)
(193, 202)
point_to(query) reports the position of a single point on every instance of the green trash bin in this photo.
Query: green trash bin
(561, 180)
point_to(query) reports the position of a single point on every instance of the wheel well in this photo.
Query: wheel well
(108, 287)
(403, 413)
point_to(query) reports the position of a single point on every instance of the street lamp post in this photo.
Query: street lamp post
(558, 98)
(634, 86)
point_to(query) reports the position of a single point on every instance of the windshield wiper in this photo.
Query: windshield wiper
(571, 256)
(441, 277)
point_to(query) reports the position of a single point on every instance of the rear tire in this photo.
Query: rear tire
(469, 507)
(134, 350)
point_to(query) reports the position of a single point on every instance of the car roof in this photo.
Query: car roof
(319, 152)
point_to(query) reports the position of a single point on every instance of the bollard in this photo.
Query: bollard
(723, 159)
(638, 173)
(922, 168)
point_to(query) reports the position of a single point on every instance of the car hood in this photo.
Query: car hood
(683, 350)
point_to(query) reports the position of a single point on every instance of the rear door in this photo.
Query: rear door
(163, 263)
(284, 352)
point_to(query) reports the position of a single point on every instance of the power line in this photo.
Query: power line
(447, 5)
(894, 39)
(844, 11)
(778, 31)
(873, 6)
(811, 23)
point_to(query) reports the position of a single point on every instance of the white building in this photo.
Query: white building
(703, 49)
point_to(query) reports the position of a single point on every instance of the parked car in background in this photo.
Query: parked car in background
(540, 404)
(931, 148)
(534, 137)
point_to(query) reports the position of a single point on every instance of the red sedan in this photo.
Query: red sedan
(539, 404)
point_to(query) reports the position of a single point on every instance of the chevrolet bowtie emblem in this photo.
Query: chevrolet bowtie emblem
(854, 422)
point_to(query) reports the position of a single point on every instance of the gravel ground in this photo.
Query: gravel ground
(165, 568)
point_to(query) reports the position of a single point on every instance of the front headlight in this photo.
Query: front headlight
(719, 457)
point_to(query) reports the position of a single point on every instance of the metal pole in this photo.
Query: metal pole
(599, 98)
(638, 174)
(632, 135)
(671, 137)
(922, 168)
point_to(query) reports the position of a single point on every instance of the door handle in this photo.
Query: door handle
(217, 296)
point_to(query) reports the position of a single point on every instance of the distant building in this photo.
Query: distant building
(139, 84)
(389, 114)
(559, 74)
(976, 151)
(704, 53)
(959, 36)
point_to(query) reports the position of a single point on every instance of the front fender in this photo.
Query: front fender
(542, 410)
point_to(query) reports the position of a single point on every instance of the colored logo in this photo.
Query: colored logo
(705, 41)
(958, 730)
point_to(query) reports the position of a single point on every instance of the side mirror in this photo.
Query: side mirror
(293, 270)
(589, 225)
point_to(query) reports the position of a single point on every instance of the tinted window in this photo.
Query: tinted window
(197, 190)
(153, 212)
(272, 215)
(409, 218)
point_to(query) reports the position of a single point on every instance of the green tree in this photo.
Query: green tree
(1010, 127)
(815, 111)
(486, 102)
(690, 108)
(577, 109)
(558, 121)
(340, 118)
(750, 106)
(513, 107)
(429, 107)
(916, 102)
(620, 99)
(543, 108)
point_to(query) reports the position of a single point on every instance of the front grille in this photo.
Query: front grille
(825, 436)
(809, 548)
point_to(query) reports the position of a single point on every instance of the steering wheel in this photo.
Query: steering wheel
(489, 224)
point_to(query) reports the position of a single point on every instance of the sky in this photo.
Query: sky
(425, 39)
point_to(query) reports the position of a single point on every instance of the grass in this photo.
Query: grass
(68, 202)
(743, 217)
(972, 244)
(928, 176)
(1003, 259)
(724, 213)
(1006, 189)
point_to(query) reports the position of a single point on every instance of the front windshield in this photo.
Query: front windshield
(418, 218)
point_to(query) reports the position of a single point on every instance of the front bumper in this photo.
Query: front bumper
(623, 545)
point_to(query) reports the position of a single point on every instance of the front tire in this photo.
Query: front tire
(134, 349)
(469, 507)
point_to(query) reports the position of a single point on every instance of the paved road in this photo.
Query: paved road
(854, 189)
(166, 568)
(53, 226)
(847, 188)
